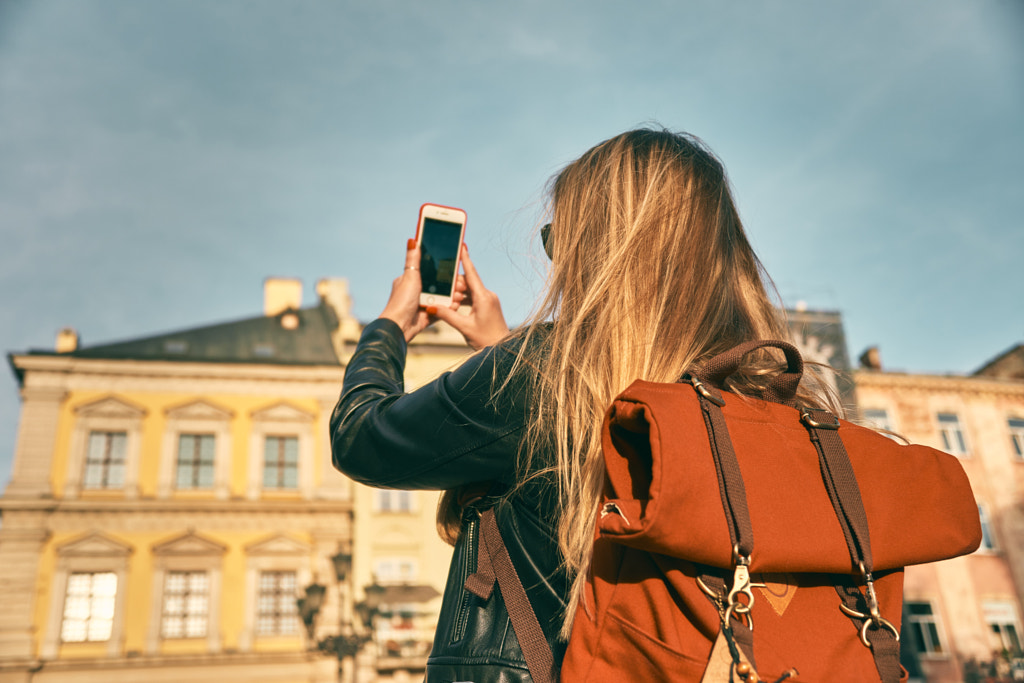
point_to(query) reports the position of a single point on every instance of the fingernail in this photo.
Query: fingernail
(431, 310)
(410, 245)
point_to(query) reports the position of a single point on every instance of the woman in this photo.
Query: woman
(651, 274)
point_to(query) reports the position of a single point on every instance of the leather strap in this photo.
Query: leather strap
(841, 483)
(494, 564)
(781, 388)
(837, 474)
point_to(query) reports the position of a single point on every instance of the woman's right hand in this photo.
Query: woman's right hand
(485, 324)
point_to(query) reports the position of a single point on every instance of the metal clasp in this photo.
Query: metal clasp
(806, 418)
(703, 391)
(741, 586)
(873, 616)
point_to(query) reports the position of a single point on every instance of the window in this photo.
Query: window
(186, 605)
(923, 628)
(1016, 426)
(877, 418)
(89, 607)
(105, 460)
(276, 611)
(1001, 617)
(195, 461)
(186, 594)
(395, 570)
(389, 500)
(988, 542)
(281, 462)
(952, 435)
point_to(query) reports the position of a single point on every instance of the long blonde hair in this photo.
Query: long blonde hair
(651, 274)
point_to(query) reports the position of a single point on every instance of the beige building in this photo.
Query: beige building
(969, 607)
(172, 497)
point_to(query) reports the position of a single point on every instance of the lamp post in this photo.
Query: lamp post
(348, 642)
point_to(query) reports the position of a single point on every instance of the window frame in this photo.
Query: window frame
(89, 554)
(912, 620)
(281, 419)
(186, 594)
(109, 414)
(279, 553)
(1016, 437)
(280, 464)
(989, 542)
(196, 418)
(960, 446)
(90, 595)
(259, 614)
(990, 610)
(394, 502)
(189, 552)
(107, 462)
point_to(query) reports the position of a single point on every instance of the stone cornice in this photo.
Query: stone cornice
(168, 369)
(937, 383)
(163, 506)
(220, 660)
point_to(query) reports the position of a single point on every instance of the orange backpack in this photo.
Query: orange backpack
(744, 540)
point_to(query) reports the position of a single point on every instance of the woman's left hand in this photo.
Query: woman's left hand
(403, 306)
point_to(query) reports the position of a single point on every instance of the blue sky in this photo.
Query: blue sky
(159, 159)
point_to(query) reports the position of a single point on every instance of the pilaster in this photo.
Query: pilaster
(37, 434)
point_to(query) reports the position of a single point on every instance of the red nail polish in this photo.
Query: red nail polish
(431, 310)
(410, 245)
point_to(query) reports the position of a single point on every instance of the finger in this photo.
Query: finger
(472, 277)
(412, 254)
(450, 316)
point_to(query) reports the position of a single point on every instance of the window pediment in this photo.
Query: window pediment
(279, 544)
(283, 412)
(111, 407)
(191, 544)
(94, 545)
(199, 410)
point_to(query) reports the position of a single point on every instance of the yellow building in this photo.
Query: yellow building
(172, 496)
(969, 607)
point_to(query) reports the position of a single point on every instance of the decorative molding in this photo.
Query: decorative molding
(189, 544)
(111, 407)
(867, 379)
(199, 409)
(279, 544)
(94, 544)
(282, 412)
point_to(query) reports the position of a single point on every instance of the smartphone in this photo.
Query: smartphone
(439, 234)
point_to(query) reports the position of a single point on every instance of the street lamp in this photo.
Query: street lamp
(347, 643)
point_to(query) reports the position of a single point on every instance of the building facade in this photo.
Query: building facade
(964, 614)
(173, 496)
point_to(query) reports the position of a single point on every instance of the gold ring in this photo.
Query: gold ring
(411, 268)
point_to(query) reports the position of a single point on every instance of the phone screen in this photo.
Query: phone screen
(439, 249)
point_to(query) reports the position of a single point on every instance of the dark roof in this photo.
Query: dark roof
(1007, 365)
(254, 340)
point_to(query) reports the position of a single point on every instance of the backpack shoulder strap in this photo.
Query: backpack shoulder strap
(495, 564)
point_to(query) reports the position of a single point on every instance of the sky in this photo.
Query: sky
(160, 158)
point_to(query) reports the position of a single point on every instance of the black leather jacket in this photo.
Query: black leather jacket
(452, 432)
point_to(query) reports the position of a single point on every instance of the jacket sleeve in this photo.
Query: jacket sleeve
(450, 432)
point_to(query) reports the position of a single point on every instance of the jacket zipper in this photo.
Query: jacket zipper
(468, 567)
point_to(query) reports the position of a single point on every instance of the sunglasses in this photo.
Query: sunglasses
(545, 238)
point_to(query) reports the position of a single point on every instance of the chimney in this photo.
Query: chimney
(334, 292)
(67, 340)
(871, 359)
(280, 294)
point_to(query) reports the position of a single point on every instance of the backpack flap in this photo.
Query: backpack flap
(662, 492)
